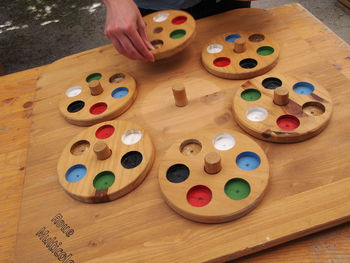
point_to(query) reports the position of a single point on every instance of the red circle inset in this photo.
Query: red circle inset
(288, 122)
(98, 108)
(199, 195)
(222, 62)
(179, 20)
(104, 131)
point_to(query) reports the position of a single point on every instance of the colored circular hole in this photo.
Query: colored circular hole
(237, 189)
(80, 147)
(157, 43)
(75, 106)
(75, 173)
(104, 131)
(271, 83)
(248, 161)
(199, 196)
(98, 108)
(190, 147)
(232, 38)
(222, 62)
(157, 30)
(177, 173)
(248, 63)
(214, 48)
(179, 20)
(131, 159)
(288, 122)
(116, 78)
(178, 33)
(256, 114)
(93, 76)
(314, 108)
(161, 17)
(131, 137)
(120, 92)
(265, 51)
(303, 88)
(224, 142)
(103, 180)
(251, 94)
(256, 38)
(73, 91)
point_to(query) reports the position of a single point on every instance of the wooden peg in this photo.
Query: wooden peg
(212, 163)
(95, 87)
(102, 150)
(239, 45)
(180, 96)
(281, 96)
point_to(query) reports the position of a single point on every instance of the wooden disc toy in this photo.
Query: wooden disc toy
(282, 108)
(169, 31)
(105, 161)
(214, 176)
(240, 55)
(97, 96)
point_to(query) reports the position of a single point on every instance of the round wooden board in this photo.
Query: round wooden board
(78, 106)
(88, 179)
(169, 31)
(259, 56)
(305, 115)
(214, 198)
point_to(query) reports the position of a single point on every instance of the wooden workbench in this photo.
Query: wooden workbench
(17, 97)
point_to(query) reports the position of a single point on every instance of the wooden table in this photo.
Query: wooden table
(17, 100)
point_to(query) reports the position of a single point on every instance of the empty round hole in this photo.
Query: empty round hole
(75, 173)
(75, 106)
(177, 173)
(214, 48)
(103, 180)
(79, 147)
(157, 43)
(131, 159)
(288, 122)
(73, 91)
(199, 196)
(131, 137)
(232, 38)
(303, 88)
(237, 189)
(248, 63)
(93, 76)
(224, 142)
(256, 38)
(116, 78)
(161, 17)
(251, 94)
(190, 147)
(248, 161)
(272, 83)
(265, 51)
(104, 131)
(120, 92)
(157, 30)
(98, 108)
(222, 62)
(179, 20)
(314, 108)
(178, 33)
(256, 114)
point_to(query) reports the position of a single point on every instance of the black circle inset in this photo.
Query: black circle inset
(248, 63)
(178, 173)
(272, 83)
(131, 159)
(75, 106)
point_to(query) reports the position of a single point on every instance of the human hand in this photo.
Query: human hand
(126, 29)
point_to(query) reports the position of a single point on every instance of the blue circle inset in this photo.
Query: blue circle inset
(248, 161)
(75, 173)
(232, 38)
(303, 88)
(120, 92)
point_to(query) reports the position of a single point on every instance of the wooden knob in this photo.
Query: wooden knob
(239, 45)
(102, 150)
(212, 163)
(180, 96)
(281, 96)
(95, 87)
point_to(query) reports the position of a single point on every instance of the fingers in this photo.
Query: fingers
(143, 35)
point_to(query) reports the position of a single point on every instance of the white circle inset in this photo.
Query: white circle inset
(256, 114)
(214, 48)
(161, 17)
(73, 91)
(224, 141)
(131, 137)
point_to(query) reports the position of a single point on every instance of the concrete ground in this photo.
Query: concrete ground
(38, 32)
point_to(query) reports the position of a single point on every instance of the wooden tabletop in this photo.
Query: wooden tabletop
(17, 99)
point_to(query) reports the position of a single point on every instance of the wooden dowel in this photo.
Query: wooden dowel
(180, 96)
(95, 87)
(212, 163)
(281, 96)
(102, 150)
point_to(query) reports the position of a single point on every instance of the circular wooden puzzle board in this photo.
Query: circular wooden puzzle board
(78, 106)
(105, 161)
(240, 55)
(306, 114)
(169, 31)
(219, 196)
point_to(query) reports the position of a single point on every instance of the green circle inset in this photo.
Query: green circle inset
(251, 94)
(104, 180)
(265, 50)
(237, 189)
(93, 76)
(176, 34)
